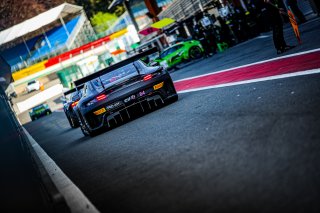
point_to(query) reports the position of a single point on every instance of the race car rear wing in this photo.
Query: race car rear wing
(115, 66)
(69, 91)
(73, 90)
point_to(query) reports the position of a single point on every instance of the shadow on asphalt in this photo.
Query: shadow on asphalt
(78, 142)
(67, 130)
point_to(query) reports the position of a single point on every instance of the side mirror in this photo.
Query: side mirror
(63, 99)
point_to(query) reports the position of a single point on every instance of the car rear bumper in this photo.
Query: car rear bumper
(128, 108)
(41, 114)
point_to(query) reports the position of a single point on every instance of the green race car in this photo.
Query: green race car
(39, 111)
(180, 52)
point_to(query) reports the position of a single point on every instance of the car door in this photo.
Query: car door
(177, 54)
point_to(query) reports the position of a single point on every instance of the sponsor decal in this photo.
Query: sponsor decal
(132, 97)
(114, 105)
(100, 111)
(158, 86)
(142, 93)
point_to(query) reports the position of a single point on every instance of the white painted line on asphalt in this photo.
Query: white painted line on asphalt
(76, 200)
(262, 36)
(255, 63)
(301, 73)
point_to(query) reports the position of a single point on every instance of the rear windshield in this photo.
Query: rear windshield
(76, 96)
(115, 76)
(31, 82)
(38, 108)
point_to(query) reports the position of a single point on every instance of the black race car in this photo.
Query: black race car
(114, 94)
(72, 98)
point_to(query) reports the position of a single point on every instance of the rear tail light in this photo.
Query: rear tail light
(97, 99)
(147, 77)
(74, 104)
(101, 97)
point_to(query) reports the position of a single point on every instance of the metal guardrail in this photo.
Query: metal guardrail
(76, 30)
(181, 9)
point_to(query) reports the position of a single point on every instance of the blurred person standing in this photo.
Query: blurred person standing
(206, 24)
(200, 36)
(275, 8)
(225, 32)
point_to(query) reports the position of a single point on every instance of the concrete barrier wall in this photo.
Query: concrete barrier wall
(29, 71)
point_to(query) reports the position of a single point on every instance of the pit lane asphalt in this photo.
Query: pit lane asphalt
(246, 148)
(257, 49)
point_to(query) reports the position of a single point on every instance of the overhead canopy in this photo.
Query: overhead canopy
(37, 22)
(163, 23)
(115, 3)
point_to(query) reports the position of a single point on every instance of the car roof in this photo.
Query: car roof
(38, 107)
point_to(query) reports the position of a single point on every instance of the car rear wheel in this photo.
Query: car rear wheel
(74, 123)
(86, 131)
(195, 52)
(69, 120)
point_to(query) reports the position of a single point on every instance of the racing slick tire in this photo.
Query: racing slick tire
(172, 99)
(69, 120)
(195, 53)
(74, 123)
(86, 131)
